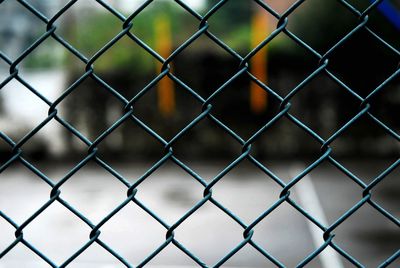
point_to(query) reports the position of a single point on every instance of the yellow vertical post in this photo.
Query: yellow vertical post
(258, 63)
(163, 45)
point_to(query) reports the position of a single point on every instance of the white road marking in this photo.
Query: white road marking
(309, 200)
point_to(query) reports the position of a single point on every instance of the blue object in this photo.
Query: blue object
(390, 12)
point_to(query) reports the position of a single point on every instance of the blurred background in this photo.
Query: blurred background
(362, 64)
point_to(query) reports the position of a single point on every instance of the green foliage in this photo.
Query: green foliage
(101, 27)
(45, 57)
(320, 23)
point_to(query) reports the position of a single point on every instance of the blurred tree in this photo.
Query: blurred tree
(323, 23)
(232, 22)
(128, 68)
(232, 13)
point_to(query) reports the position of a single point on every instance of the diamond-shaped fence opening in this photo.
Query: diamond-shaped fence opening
(387, 230)
(25, 205)
(199, 133)
(290, 230)
(47, 240)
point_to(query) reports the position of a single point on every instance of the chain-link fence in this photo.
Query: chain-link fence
(128, 105)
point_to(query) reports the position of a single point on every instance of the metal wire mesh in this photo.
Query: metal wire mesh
(366, 190)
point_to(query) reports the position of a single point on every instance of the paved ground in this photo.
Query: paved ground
(210, 234)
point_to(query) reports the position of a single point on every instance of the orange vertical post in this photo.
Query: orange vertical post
(258, 63)
(163, 45)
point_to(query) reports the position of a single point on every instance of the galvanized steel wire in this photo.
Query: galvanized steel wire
(128, 105)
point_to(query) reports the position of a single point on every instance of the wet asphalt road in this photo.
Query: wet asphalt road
(208, 233)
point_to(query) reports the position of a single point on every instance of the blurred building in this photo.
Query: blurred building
(18, 28)
(204, 67)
